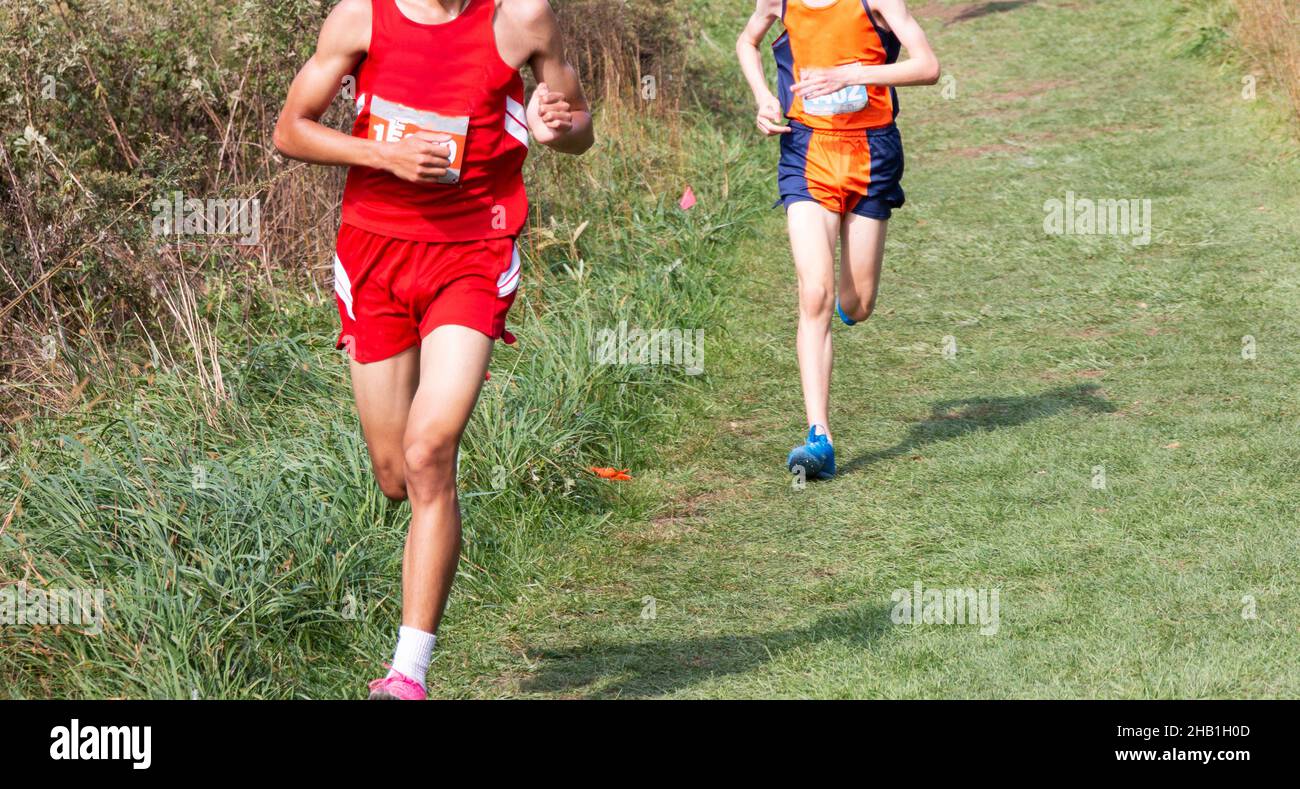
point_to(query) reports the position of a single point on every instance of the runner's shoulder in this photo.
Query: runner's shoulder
(347, 28)
(352, 11)
(530, 15)
(882, 7)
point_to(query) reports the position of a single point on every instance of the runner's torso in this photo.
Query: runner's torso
(834, 34)
(450, 78)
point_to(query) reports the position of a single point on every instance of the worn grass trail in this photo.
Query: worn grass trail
(1076, 355)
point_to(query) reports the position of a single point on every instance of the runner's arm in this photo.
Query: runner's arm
(559, 116)
(766, 13)
(299, 134)
(920, 68)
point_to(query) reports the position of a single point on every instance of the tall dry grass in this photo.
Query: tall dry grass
(1270, 30)
(110, 104)
(221, 496)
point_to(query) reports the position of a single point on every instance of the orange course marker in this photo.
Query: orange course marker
(610, 473)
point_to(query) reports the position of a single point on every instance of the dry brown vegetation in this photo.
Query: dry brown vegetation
(1270, 30)
(110, 104)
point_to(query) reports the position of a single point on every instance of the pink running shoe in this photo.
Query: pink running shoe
(398, 687)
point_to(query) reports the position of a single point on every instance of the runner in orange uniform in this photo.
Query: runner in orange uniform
(841, 164)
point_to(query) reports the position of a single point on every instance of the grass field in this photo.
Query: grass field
(977, 472)
(1098, 450)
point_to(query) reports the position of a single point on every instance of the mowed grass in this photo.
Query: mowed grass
(978, 471)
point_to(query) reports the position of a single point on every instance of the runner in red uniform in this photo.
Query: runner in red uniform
(426, 267)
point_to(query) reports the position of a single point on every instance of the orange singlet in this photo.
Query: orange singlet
(843, 151)
(819, 34)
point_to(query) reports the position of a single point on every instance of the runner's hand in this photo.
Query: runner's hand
(422, 157)
(554, 113)
(816, 82)
(769, 117)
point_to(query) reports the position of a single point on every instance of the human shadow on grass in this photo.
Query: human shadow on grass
(657, 667)
(977, 10)
(951, 419)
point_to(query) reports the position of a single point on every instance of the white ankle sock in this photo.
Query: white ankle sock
(414, 649)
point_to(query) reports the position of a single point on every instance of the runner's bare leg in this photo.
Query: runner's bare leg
(453, 363)
(813, 234)
(863, 244)
(384, 391)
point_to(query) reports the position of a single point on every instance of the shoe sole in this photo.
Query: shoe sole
(811, 466)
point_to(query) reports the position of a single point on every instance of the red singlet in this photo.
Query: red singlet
(450, 78)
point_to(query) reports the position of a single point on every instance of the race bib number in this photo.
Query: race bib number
(391, 122)
(841, 102)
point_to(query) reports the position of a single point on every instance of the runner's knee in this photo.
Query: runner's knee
(390, 473)
(394, 490)
(855, 308)
(815, 300)
(431, 462)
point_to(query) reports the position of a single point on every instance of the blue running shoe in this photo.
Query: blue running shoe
(847, 320)
(817, 457)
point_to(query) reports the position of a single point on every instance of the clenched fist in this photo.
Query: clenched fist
(422, 157)
(551, 114)
(769, 117)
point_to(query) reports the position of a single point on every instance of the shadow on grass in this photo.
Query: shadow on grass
(951, 419)
(977, 10)
(658, 667)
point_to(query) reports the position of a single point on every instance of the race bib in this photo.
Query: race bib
(841, 102)
(390, 122)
